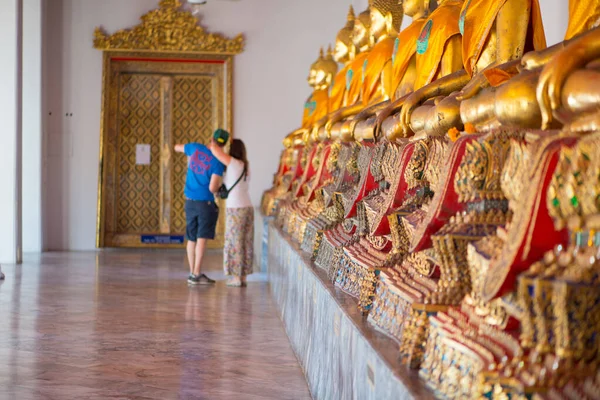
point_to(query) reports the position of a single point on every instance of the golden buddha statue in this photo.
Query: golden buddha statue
(496, 106)
(493, 34)
(317, 153)
(418, 161)
(375, 83)
(386, 19)
(403, 67)
(438, 54)
(564, 90)
(404, 64)
(404, 187)
(335, 177)
(336, 172)
(320, 78)
(351, 46)
(360, 260)
(512, 259)
(344, 53)
(322, 75)
(312, 74)
(290, 168)
(293, 145)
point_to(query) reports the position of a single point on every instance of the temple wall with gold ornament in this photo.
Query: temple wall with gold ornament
(454, 220)
(72, 71)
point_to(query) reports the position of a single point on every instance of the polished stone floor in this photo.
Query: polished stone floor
(125, 325)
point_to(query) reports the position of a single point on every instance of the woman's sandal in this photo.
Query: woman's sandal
(232, 283)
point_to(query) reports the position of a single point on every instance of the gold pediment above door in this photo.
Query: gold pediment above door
(169, 28)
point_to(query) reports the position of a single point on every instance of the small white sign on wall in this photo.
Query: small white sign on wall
(142, 154)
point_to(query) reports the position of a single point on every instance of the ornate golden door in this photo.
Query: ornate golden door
(152, 101)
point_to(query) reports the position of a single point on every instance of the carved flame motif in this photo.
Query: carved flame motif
(416, 166)
(514, 170)
(377, 162)
(439, 148)
(316, 161)
(168, 28)
(378, 242)
(573, 193)
(334, 156)
(479, 175)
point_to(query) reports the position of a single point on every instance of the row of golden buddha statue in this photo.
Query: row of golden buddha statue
(448, 177)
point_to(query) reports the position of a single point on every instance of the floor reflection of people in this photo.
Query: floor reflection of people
(201, 358)
(219, 340)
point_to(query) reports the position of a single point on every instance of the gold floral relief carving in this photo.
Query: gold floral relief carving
(334, 156)
(439, 149)
(316, 160)
(480, 172)
(415, 169)
(168, 28)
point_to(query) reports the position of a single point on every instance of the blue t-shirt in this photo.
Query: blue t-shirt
(202, 165)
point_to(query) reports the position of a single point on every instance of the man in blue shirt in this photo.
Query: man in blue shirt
(203, 179)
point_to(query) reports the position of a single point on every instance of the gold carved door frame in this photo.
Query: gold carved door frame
(177, 81)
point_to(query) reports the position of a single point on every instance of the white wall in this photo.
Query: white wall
(9, 108)
(283, 37)
(32, 125)
(555, 14)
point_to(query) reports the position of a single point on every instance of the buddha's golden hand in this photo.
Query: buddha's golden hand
(364, 114)
(381, 117)
(410, 104)
(552, 80)
(318, 125)
(306, 137)
(328, 126)
(314, 133)
(533, 60)
(472, 88)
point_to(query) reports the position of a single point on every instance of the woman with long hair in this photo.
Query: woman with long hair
(238, 254)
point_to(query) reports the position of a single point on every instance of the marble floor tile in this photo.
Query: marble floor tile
(125, 325)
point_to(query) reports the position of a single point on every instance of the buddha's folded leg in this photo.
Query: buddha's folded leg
(516, 102)
(580, 95)
(419, 117)
(444, 116)
(480, 110)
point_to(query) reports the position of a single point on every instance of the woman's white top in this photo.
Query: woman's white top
(239, 197)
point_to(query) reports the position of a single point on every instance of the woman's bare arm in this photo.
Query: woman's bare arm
(218, 152)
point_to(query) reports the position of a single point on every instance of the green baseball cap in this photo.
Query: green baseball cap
(221, 136)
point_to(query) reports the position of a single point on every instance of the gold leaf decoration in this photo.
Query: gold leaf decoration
(168, 28)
